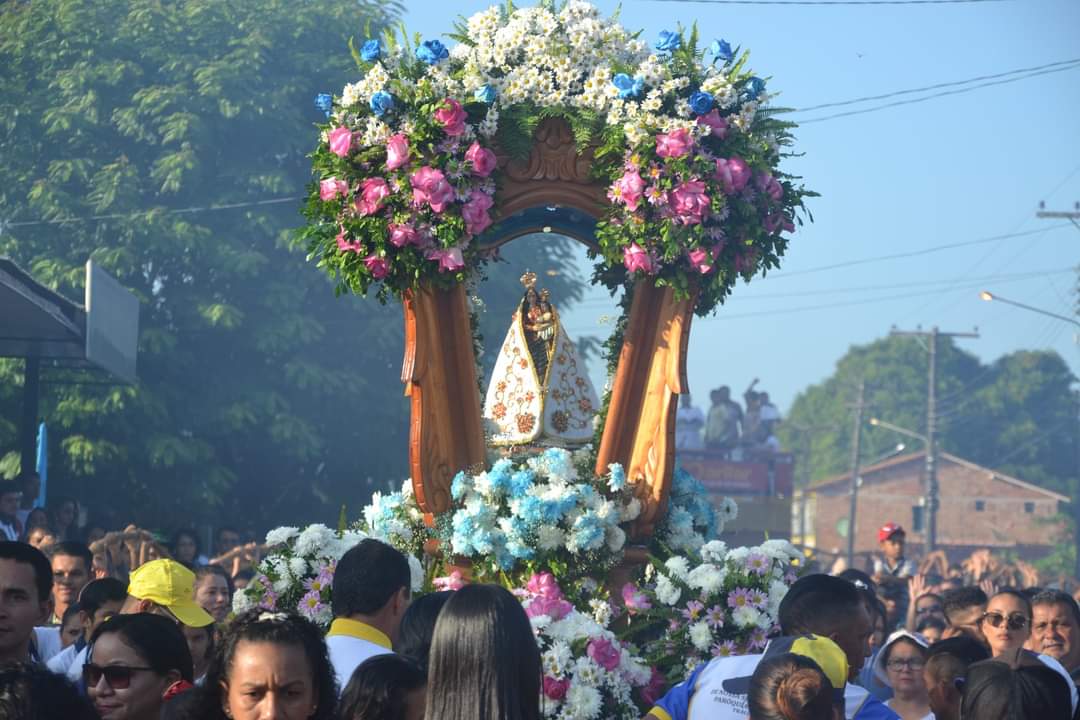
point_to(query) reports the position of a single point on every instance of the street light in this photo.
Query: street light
(897, 429)
(987, 296)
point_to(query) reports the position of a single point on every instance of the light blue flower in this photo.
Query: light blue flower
(520, 482)
(381, 103)
(586, 534)
(722, 51)
(701, 102)
(669, 41)
(532, 510)
(558, 463)
(485, 94)
(754, 87)
(628, 87)
(370, 51)
(459, 486)
(324, 102)
(432, 51)
(616, 477)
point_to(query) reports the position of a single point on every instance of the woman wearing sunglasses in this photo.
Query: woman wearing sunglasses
(1006, 622)
(135, 663)
(900, 665)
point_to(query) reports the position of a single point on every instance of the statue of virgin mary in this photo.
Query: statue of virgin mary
(539, 393)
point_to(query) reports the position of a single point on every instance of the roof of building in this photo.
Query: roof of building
(921, 457)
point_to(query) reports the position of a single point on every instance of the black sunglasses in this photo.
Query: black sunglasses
(1015, 621)
(117, 676)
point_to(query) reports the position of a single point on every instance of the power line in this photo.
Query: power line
(916, 253)
(139, 213)
(832, 2)
(938, 86)
(936, 95)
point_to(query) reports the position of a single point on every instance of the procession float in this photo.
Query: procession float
(663, 157)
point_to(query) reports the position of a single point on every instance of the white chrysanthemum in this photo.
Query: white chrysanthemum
(738, 555)
(666, 591)
(582, 702)
(615, 537)
(630, 511)
(298, 567)
(746, 616)
(550, 537)
(777, 590)
(416, 573)
(678, 566)
(714, 551)
(601, 611)
(707, 577)
(557, 659)
(376, 132)
(312, 539)
(242, 600)
(350, 94)
(588, 672)
(780, 549)
(281, 535)
(701, 635)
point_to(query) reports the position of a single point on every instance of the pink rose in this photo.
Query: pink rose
(402, 235)
(555, 608)
(634, 599)
(689, 202)
(397, 151)
(699, 260)
(373, 192)
(344, 245)
(377, 266)
(628, 189)
(675, 144)
(717, 124)
(330, 188)
(340, 141)
(604, 653)
(453, 581)
(555, 689)
(635, 258)
(544, 584)
(449, 259)
(733, 173)
(451, 117)
(475, 212)
(482, 159)
(430, 186)
(769, 185)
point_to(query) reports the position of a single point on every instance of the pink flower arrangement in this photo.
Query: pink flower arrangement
(397, 151)
(452, 117)
(770, 186)
(604, 653)
(340, 141)
(402, 235)
(634, 599)
(628, 190)
(637, 258)
(373, 192)
(689, 202)
(330, 188)
(674, 144)
(449, 259)
(700, 260)
(345, 246)
(475, 212)
(378, 266)
(555, 689)
(430, 186)
(483, 160)
(716, 124)
(733, 174)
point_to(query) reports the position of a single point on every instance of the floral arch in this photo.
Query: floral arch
(663, 159)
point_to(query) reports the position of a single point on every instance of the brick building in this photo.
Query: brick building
(979, 508)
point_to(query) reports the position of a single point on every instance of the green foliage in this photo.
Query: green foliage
(1017, 415)
(258, 391)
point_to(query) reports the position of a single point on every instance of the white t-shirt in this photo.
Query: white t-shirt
(351, 643)
(61, 662)
(688, 424)
(48, 643)
(928, 716)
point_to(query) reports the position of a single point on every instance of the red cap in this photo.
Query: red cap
(888, 530)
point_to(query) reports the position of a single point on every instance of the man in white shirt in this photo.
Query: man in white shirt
(689, 422)
(371, 592)
(98, 601)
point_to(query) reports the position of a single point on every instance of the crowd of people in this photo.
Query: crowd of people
(727, 429)
(149, 634)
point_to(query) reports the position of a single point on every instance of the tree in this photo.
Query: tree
(1017, 415)
(261, 397)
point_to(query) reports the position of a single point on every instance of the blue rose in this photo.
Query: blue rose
(628, 87)
(370, 51)
(721, 50)
(754, 87)
(324, 102)
(701, 102)
(669, 41)
(485, 94)
(381, 103)
(432, 51)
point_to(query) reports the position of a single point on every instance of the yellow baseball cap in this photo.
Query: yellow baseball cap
(171, 585)
(826, 653)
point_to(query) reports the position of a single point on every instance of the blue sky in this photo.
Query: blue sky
(948, 170)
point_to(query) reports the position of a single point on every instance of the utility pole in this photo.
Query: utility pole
(931, 484)
(856, 448)
(1072, 216)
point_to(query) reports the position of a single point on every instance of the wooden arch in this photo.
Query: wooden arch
(439, 371)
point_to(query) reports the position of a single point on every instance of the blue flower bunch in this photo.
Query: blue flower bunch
(396, 519)
(691, 518)
(537, 512)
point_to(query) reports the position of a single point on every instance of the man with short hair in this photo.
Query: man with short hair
(1055, 628)
(165, 587)
(71, 562)
(947, 662)
(10, 527)
(98, 601)
(819, 605)
(25, 586)
(964, 608)
(371, 591)
(30, 486)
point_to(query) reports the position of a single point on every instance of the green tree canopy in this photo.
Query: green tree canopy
(261, 397)
(1017, 414)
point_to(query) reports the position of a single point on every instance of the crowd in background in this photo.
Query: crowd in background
(727, 429)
